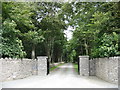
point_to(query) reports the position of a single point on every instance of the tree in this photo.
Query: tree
(108, 46)
(12, 45)
(22, 15)
(50, 16)
(34, 37)
(38, 28)
(96, 24)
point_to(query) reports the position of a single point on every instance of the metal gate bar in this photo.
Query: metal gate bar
(78, 67)
(48, 66)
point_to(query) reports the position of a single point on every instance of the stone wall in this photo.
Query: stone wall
(17, 68)
(92, 70)
(105, 68)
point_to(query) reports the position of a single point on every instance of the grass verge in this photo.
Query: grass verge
(76, 67)
(52, 68)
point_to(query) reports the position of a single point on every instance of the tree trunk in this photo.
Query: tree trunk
(61, 59)
(86, 47)
(81, 48)
(33, 52)
(49, 45)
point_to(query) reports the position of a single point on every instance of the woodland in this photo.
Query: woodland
(31, 29)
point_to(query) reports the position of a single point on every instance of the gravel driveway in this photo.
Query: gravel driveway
(63, 77)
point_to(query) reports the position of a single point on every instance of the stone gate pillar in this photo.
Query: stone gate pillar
(118, 73)
(84, 65)
(42, 65)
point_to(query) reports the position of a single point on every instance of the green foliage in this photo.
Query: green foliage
(20, 13)
(108, 46)
(16, 19)
(12, 45)
(12, 48)
(96, 30)
(29, 25)
(34, 36)
(76, 67)
(52, 26)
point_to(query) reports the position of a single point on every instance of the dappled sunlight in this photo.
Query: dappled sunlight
(69, 67)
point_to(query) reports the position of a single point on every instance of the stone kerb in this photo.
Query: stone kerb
(84, 65)
(42, 65)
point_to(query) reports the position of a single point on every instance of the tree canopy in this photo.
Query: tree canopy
(32, 29)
